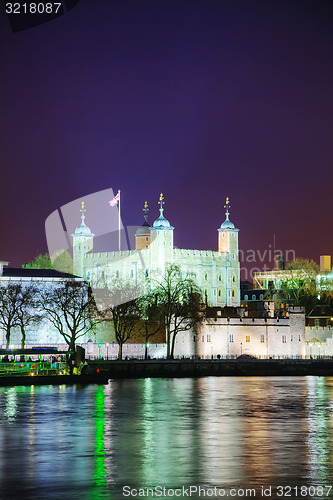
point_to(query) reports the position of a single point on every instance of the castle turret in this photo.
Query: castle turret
(142, 235)
(161, 243)
(228, 245)
(83, 240)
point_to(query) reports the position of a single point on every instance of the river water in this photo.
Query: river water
(205, 437)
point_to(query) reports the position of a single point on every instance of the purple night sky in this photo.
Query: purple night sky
(197, 99)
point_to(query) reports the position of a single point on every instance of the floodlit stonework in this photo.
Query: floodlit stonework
(217, 273)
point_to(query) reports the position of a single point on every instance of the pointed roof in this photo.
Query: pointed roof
(83, 229)
(227, 224)
(145, 228)
(162, 222)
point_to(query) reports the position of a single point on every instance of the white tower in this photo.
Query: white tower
(83, 241)
(161, 241)
(228, 245)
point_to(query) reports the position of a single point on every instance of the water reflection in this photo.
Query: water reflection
(320, 421)
(89, 442)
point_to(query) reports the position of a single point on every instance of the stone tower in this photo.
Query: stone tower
(83, 241)
(161, 242)
(228, 246)
(142, 235)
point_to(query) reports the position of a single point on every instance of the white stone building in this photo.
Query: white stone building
(217, 273)
(236, 336)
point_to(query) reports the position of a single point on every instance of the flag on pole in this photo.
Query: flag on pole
(115, 200)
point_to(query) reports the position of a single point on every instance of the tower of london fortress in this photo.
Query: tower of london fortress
(217, 273)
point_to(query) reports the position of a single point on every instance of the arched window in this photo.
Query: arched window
(253, 297)
(206, 277)
(261, 297)
(219, 293)
(234, 279)
(246, 297)
(220, 277)
(233, 293)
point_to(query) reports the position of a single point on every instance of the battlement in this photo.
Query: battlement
(198, 253)
(115, 254)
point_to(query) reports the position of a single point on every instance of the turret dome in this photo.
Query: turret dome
(144, 229)
(162, 222)
(83, 229)
(227, 224)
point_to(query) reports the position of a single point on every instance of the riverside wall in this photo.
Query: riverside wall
(203, 367)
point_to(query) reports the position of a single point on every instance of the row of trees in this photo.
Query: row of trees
(67, 307)
(172, 304)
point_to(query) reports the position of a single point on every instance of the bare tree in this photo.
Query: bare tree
(119, 304)
(151, 317)
(180, 302)
(28, 310)
(70, 309)
(9, 307)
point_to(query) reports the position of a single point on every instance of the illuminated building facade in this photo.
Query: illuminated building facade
(217, 273)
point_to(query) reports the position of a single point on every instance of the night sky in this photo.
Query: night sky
(197, 99)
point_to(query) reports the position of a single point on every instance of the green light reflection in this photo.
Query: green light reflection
(99, 474)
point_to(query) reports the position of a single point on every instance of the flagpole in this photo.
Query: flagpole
(119, 239)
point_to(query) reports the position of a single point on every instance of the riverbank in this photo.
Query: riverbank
(207, 367)
(15, 380)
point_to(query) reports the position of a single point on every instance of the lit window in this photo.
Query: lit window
(262, 338)
(246, 297)
(248, 338)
